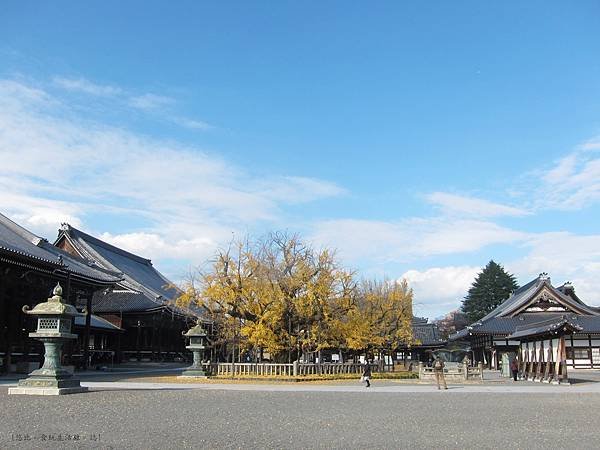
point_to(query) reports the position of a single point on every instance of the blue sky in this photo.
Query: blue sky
(420, 140)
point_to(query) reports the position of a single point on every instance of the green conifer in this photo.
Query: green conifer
(491, 287)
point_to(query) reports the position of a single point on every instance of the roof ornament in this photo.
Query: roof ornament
(57, 294)
(544, 276)
(64, 226)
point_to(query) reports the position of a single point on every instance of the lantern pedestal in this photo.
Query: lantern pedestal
(54, 329)
(51, 378)
(195, 370)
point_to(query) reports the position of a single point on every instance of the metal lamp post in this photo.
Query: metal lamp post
(197, 339)
(53, 329)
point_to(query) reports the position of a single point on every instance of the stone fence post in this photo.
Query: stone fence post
(295, 372)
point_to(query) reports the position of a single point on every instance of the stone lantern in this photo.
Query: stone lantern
(197, 340)
(53, 329)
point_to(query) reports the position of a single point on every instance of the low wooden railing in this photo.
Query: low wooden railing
(453, 373)
(252, 369)
(294, 369)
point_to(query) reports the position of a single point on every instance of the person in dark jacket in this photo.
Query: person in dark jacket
(514, 368)
(366, 376)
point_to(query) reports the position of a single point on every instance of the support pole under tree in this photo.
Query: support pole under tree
(86, 335)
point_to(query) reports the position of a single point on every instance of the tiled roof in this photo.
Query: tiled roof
(16, 240)
(143, 287)
(96, 322)
(507, 325)
(546, 327)
(505, 318)
(419, 320)
(123, 301)
(517, 297)
(427, 333)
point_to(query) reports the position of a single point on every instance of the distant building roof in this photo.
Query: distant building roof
(143, 287)
(426, 334)
(20, 243)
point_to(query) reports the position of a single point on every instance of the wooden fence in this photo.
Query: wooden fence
(290, 370)
(453, 373)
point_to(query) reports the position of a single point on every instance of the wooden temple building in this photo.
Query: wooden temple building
(426, 339)
(30, 267)
(542, 324)
(542, 353)
(142, 303)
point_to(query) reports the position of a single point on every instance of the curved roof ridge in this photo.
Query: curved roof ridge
(514, 298)
(137, 272)
(20, 231)
(17, 240)
(76, 233)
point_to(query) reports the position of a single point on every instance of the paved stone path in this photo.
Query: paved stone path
(519, 387)
(327, 417)
(148, 415)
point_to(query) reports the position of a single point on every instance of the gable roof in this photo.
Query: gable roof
(17, 242)
(528, 294)
(513, 312)
(143, 287)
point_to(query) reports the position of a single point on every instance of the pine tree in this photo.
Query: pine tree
(491, 287)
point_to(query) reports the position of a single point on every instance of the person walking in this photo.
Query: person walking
(366, 376)
(514, 367)
(438, 370)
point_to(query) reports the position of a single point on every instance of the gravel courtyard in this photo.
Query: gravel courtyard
(199, 418)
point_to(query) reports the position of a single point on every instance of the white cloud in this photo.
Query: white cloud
(470, 206)
(156, 247)
(42, 215)
(149, 102)
(592, 144)
(410, 239)
(189, 199)
(299, 189)
(155, 104)
(574, 180)
(192, 124)
(566, 257)
(85, 86)
(440, 289)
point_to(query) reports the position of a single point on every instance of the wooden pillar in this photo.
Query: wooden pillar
(590, 351)
(159, 343)
(572, 349)
(563, 358)
(548, 362)
(540, 352)
(559, 352)
(154, 337)
(551, 361)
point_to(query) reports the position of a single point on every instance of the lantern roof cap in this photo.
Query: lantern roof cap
(54, 306)
(197, 330)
